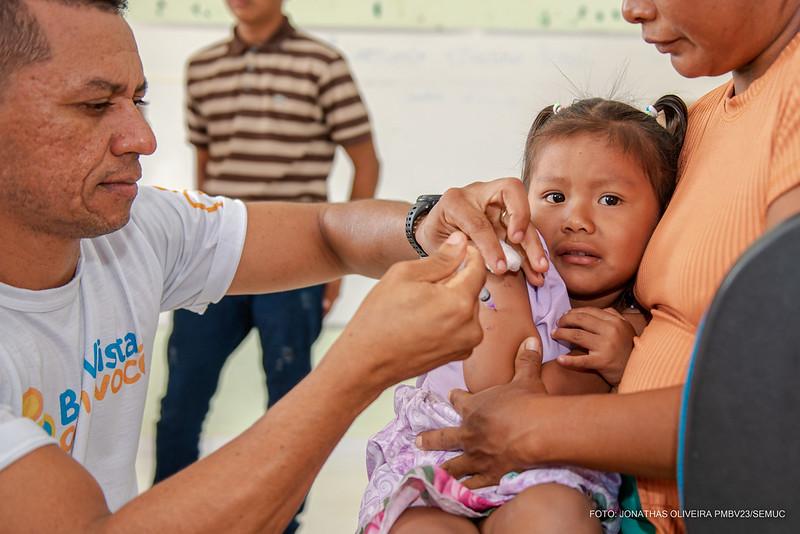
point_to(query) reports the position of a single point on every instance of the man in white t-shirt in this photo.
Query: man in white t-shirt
(89, 260)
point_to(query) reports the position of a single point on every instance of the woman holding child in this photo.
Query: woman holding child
(739, 177)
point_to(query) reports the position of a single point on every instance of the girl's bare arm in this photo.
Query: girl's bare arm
(506, 321)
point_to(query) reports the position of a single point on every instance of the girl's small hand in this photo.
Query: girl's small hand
(604, 334)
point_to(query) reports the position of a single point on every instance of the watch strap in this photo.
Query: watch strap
(421, 207)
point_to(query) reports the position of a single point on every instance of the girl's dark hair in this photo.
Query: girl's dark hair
(656, 143)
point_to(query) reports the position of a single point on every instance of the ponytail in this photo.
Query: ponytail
(676, 117)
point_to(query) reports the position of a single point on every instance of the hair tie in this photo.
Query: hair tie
(556, 108)
(659, 116)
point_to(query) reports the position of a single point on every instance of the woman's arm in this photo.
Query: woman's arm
(516, 426)
(783, 207)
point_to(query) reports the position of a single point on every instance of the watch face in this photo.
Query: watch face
(428, 199)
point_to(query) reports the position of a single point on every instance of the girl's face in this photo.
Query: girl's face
(596, 209)
(712, 37)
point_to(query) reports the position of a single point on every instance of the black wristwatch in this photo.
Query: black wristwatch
(422, 206)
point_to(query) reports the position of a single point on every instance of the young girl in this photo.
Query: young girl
(599, 175)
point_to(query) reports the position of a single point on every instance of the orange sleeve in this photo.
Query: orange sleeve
(785, 164)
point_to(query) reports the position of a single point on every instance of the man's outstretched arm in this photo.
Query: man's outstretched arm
(253, 484)
(294, 245)
(421, 315)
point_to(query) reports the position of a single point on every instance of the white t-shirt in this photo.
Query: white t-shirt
(75, 360)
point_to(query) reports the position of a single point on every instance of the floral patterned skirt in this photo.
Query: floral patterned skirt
(402, 476)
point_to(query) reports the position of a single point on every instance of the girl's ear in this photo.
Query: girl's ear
(676, 115)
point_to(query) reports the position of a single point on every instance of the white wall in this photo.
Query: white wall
(447, 108)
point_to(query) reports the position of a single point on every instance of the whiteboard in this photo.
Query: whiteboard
(540, 15)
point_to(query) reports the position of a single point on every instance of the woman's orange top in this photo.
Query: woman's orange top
(740, 154)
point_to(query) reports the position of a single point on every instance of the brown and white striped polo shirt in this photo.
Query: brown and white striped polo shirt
(271, 115)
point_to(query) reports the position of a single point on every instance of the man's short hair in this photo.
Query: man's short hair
(22, 40)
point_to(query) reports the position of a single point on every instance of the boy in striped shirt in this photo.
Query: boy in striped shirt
(266, 109)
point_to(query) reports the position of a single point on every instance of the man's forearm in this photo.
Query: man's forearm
(634, 433)
(367, 236)
(256, 482)
(301, 245)
(290, 245)
(253, 484)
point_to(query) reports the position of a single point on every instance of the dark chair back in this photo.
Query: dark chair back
(739, 443)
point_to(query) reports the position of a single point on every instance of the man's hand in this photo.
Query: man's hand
(330, 295)
(486, 212)
(604, 334)
(491, 436)
(422, 314)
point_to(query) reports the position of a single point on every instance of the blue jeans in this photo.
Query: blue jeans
(288, 323)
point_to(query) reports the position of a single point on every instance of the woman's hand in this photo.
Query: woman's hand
(487, 212)
(518, 426)
(491, 434)
(604, 334)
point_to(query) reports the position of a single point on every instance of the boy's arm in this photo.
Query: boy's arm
(201, 162)
(366, 169)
